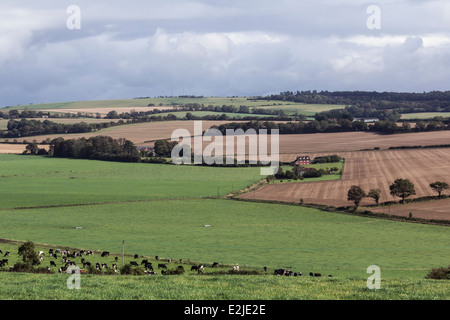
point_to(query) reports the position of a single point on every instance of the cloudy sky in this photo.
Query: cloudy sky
(123, 49)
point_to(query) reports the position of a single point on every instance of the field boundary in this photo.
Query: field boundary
(349, 211)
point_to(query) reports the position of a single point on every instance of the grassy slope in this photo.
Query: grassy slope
(249, 234)
(39, 181)
(50, 287)
(288, 107)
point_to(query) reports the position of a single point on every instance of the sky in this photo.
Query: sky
(57, 51)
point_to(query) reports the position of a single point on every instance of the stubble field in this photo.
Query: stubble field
(371, 170)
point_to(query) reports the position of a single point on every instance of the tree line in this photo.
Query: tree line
(360, 104)
(402, 188)
(342, 125)
(95, 148)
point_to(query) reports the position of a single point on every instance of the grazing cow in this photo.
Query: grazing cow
(52, 263)
(200, 267)
(5, 261)
(41, 253)
(161, 265)
(283, 272)
(169, 261)
(181, 261)
(134, 263)
(136, 256)
(236, 268)
(156, 258)
(215, 265)
(116, 259)
(105, 254)
(7, 254)
(317, 275)
(145, 261)
(278, 272)
(149, 266)
(265, 269)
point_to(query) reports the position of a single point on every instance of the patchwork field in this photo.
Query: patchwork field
(370, 170)
(139, 133)
(162, 210)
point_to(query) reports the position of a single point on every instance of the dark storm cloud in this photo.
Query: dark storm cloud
(253, 47)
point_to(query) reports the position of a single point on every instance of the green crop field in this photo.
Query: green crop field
(162, 210)
(425, 115)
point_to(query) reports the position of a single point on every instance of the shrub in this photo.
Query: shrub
(129, 270)
(178, 270)
(439, 273)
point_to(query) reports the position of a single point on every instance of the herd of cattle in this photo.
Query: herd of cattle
(65, 257)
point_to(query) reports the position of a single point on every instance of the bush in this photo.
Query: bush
(439, 274)
(129, 270)
(179, 270)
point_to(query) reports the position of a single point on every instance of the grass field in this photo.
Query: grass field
(53, 287)
(425, 115)
(29, 181)
(159, 210)
(121, 105)
(248, 234)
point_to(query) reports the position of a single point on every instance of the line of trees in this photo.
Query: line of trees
(402, 188)
(95, 148)
(26, 128)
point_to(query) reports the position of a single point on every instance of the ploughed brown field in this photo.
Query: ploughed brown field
(370, 170)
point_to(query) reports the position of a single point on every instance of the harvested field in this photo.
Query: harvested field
(104, 111)
(16, 148)
(139, 133)
(368, 169)
(353, 141)
(433, 209)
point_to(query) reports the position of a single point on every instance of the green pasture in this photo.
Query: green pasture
(425, 115)
(230, 287)
(169, 101)
(234, 232)
(161, 210)
(288, 107)
(182, 114)
(28, 181)
(302, 108)
(325, 177)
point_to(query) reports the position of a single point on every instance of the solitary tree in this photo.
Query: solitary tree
(28, 253)
(355, 194)
(439, 186)
(375, 194)
(402, 188)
